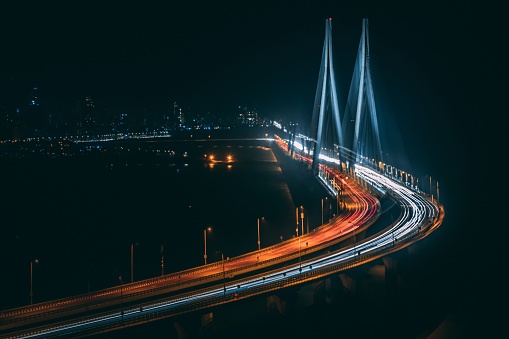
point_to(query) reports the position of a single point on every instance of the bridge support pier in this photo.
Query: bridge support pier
(181, 332)
(349, 283)
(276, 304)
(379, 283)
(391, 277)
(207, 320)
(298, 298)
(192, 325)
(313, 293)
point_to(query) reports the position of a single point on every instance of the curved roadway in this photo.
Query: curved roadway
(131, 303)
(360, 209)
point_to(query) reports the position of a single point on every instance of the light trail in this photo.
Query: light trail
(361, 209)
(417, 213)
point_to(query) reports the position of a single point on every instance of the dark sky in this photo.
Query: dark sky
(428, 58)
(436, 68)
(217, 53)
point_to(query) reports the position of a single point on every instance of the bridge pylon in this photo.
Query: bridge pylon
(363, 138)
(325, 98)
(355, 135)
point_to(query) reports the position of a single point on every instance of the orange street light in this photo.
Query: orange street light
(205, 243)
(32, 262)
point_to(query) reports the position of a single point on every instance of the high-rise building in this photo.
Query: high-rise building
(33, 115)
(89, 116)
(9, 123)
(247, 116)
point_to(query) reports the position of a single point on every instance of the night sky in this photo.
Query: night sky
(434, 74)
(435, 65)
(213, 55)
(429, 60)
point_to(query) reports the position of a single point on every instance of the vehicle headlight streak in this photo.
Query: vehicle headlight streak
(416, 211)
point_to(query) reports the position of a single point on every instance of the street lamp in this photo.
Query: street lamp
(132, 261)
(297, 219)
(32, 262)
(88, 276)
(121, 296)
(300, 265)
(162, 260)
(430, 189)
(337, 204)
(322, 209)
(224, 280)
(259, 233)
(302, 219)
(205, 243)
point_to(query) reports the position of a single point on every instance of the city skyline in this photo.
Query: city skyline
(431, 66)
(260, 55)
(33, 120)
(210, 57)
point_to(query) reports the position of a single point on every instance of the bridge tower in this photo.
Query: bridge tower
(356, 136)
(325, 100)
(360, 124)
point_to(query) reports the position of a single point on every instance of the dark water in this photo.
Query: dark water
(79, 216)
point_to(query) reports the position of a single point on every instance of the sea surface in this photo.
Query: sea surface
(85, 217)
(80, 216)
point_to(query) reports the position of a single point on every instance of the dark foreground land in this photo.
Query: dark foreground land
(425, 293)
(432, 289)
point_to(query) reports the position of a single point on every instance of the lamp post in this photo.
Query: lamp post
(162, 260)
(322, 209)
(302, 219)
(259, 233)
(132, 260)
(330, 211)
(224, 280)
(337, 204)
(121, 297)
(32, 262)
(354, 244)
(300, 265)
(297, 219)
(205, 243)
(88, 276)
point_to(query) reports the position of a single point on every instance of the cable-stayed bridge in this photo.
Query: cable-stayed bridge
(353, 135)
(344, 152)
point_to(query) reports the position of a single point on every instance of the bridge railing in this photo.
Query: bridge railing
(35, 312)
(266, 287)
(175, 285)
(144, 315)
(426, 226)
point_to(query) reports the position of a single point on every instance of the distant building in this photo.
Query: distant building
(181, 118)
(89, 117)
(33, 115)
(248, 117)
(10, 124)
